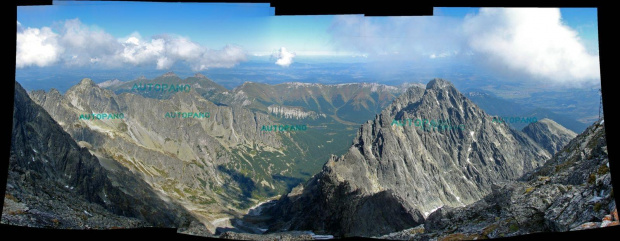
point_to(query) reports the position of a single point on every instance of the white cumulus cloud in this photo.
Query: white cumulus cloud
(284, 57)
(36, 47)
(137, 51)
(83, 44)
(76, 44)
(165, 51)
(533, 41)
(226, 57)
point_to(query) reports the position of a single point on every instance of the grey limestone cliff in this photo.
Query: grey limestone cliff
(53, 182)
(394, 175)
(572, 191)
(203, 163)
(549, 134)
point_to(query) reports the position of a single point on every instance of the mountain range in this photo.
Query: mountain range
(210, 165)
(571, 191)
(393, 177)
(497, 106)
(55, 183)
(366, 165)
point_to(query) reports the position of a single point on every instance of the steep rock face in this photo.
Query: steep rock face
(204, 163)
(549, 134)
(293, 112)
(422, 170)
(47, 166)
(572, 191)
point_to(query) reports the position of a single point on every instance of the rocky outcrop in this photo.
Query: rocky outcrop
(549, 134)
(211, 163)
(572, 191)
(293, 112)
(170, 74)
(409, 170)
(53, 182)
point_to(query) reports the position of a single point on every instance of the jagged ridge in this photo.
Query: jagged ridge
(423, 170)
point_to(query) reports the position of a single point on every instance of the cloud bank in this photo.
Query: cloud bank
(76, 44)
(36, 47)
(283, 57)
(531, 40)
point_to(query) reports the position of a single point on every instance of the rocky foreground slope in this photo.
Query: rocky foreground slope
(53, 182)
(394, 174)
(210, 164)
(572, 191)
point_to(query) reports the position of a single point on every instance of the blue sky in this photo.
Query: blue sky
(212, 24)
(220, 35)
(253, 26)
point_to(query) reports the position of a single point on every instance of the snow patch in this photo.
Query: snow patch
(319, 236)
(595, 199)
(99, 129)
(458, 199)
(240, 95)
(431, 211)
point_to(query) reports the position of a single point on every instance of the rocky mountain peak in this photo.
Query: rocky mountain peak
(429, 148)
(549, 134)
(45, 158)
(199, 75)
(169, 74)
(85, 85)
(88, 96)
(86, 82)
(54, 91)
(572, 191)
(438, 83)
